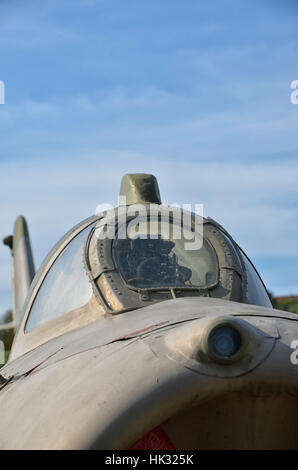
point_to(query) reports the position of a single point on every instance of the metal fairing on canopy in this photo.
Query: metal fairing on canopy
(136, 343)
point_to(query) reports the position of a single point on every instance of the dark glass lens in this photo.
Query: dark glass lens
(225, 341)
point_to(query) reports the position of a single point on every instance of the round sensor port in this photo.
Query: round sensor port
(224, 342)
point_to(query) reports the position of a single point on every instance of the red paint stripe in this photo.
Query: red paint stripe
(134, 333)
(156, 439)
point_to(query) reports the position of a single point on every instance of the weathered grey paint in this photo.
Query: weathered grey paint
(108, 383)
(89, 379)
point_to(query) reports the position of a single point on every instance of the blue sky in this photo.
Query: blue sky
(197, 93)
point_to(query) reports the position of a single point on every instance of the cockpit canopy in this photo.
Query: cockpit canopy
(157, 261)
(146, 266)
(125, 263)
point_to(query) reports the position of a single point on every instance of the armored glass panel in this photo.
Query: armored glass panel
(256, 292)
(65, 287)
(159, 256)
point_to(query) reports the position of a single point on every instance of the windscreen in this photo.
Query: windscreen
(153, 259)
(66, 286)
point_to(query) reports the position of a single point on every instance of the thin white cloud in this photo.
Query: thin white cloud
(158, 121)
(251, 201)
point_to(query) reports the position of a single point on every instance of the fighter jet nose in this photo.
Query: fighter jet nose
(219, 345)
